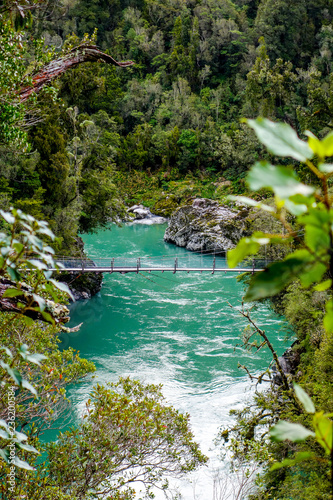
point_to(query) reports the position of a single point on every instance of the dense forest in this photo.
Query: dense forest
(161, 131)
(169, 126)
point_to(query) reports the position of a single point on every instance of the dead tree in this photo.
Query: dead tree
(81, 54)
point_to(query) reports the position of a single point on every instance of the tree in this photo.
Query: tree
(127, 435)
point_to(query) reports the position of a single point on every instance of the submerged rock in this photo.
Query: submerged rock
(206, 225)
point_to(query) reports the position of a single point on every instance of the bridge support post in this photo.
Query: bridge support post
(112, 265)
(82, 262)
(253, 265)
(214, 263)
(175, 268)
(138, 266)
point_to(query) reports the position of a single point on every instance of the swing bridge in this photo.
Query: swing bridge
(194, 262)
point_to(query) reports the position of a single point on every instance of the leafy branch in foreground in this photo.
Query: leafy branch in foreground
(323, 434)
(309, 207)
(23, 251)
(23, 294)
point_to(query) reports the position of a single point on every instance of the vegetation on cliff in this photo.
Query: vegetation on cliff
(164, 131)
(169, 125)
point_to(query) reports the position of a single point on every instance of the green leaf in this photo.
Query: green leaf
(4, 434)
(35, 358)
(317, 238)
(295, 208)
(328, 318)
(46, 231)
(287, 430)
(290, 462)
(18, 247)
(28, 447)
(325, 285)
(21, 464)
(316, 217)
(7, 351)
(304, 399)
(273, 279)
(312, 273)
(12, 372)
(40, 301)
(280, 139)
(13, 273)
(62, 286)
(324, 431)
(12, 292)
(5, 455)
(23, 348)
(8, 217)
(326, 168)
(47, 316)
(3, 423)
(29, 387)
(245, 247)
(36, 264)
(20, 436)
(49, 249)
(28, 321)
(281, 180)
(321, 148)
(252, 203)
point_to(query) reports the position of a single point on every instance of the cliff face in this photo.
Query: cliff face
(83, 286)
(206, 225)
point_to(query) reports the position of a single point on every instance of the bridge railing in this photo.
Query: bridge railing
(146, 262)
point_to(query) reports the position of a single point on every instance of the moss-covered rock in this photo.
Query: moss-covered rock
(205, 225)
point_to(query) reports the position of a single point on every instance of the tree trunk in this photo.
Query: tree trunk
(59, 312)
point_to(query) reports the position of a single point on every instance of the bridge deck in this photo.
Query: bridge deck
(124, 270)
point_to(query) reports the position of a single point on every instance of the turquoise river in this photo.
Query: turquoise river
(175, 329)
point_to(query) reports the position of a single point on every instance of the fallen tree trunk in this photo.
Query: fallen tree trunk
(78, 55)
(59, 312)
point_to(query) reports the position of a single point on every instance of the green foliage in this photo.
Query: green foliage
(23, 251)
(323, 434)
(12, 69)
(126, 427)
(310, 263)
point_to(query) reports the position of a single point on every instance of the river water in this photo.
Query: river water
(175, 329)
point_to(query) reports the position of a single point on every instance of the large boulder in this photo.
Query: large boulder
(207, 225)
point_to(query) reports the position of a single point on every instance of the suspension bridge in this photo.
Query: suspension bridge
(208, 263)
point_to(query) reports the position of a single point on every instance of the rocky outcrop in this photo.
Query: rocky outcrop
(142, 215)
(83, 286)
(207, 225)
(289, 362)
